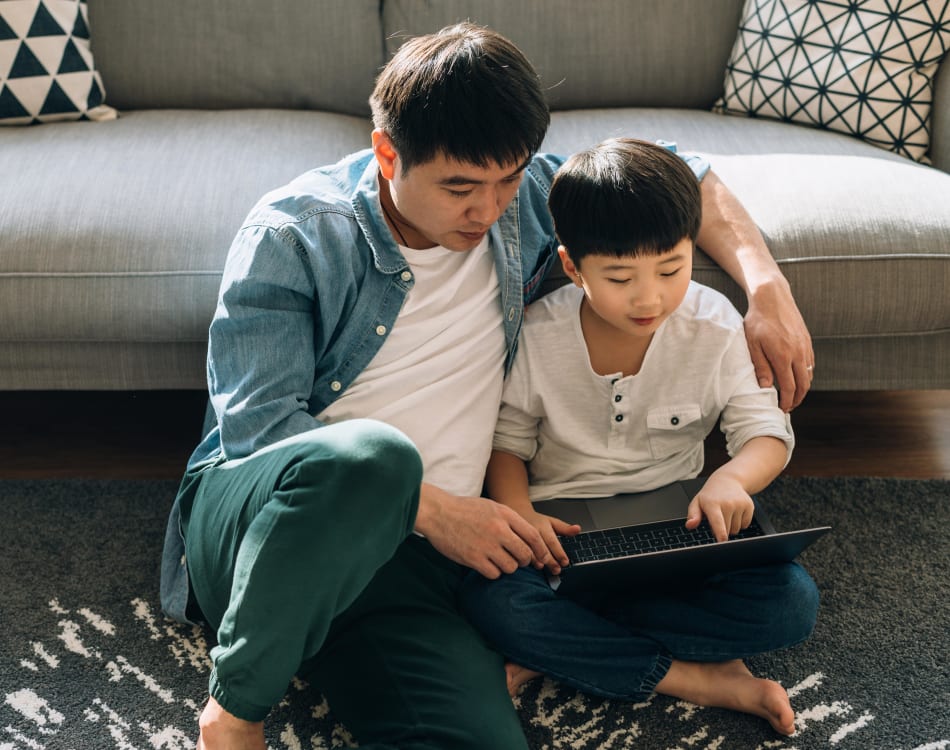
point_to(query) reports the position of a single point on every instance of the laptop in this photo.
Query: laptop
(639, 540)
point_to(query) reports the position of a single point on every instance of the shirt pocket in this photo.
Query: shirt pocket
(673, 429)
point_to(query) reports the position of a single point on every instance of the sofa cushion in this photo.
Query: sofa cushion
(607, 55)
(220, 54)
(118, 231)
(862, 263)
(860, 68)
(47, 71)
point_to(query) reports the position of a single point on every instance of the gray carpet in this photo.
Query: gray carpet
(88, 662)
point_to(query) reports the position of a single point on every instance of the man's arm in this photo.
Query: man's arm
(778, 338)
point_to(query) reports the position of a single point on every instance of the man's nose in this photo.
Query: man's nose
(487, 206)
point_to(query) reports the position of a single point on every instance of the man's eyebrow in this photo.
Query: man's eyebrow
(461, 179)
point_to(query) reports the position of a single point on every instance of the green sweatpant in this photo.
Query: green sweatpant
(302, 557)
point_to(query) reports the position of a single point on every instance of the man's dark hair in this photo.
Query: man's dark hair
(624, 197)
(466, 93)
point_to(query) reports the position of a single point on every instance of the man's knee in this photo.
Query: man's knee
(359, 460)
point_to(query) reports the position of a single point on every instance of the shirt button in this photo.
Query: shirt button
(335, 386)
(618, 418)
(405, 276)
(675, 421)
(618, 398)
(380, 330)
(511, 313)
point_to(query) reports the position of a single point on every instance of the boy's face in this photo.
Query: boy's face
(634, 294)
(446, 202)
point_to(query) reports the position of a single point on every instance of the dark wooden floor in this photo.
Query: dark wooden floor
(150, 434)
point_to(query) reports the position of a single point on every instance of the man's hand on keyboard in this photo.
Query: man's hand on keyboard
(726, 505)
(550, 528)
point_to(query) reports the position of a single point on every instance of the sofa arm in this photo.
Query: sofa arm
(940, 118)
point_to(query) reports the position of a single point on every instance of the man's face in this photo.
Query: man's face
(450, 203)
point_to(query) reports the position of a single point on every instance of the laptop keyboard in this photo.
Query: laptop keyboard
(634, 540)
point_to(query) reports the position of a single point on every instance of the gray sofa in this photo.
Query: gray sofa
(113, 234)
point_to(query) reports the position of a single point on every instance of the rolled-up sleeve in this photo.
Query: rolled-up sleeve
(750, 411)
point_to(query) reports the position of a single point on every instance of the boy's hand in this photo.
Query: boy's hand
(725, 504)
(550, 528)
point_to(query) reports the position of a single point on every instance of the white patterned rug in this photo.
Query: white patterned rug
(87, 661)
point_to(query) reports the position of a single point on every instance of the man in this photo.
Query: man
(367, 315)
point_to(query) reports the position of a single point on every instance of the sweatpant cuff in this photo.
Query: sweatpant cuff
(233, 705)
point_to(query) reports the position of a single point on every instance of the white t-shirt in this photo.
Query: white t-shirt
(438, 376)
(590, 435)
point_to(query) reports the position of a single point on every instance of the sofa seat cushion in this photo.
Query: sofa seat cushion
(862, 262)
(118, 231)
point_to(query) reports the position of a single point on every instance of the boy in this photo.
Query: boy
(619, 379)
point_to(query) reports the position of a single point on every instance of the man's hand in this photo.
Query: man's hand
(549, 528)
(726, 505)
(479, 533)
(779, 343)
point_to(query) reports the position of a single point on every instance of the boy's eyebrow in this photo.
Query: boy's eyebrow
(461, 179)
(623, 267)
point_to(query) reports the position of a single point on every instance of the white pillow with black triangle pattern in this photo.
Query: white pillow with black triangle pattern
(47, 72)
(862, 67)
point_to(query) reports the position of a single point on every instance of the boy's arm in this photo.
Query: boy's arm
(777, 336)
(506, 482)
(725, 499)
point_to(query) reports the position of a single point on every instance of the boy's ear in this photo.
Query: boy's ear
(568, 265)
(385, 153)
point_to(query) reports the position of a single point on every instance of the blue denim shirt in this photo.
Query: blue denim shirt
(312, 286)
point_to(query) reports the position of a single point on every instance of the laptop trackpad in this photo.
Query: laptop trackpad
(664, 504)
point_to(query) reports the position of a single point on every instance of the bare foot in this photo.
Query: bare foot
(730, 685)
(219, 729)
(518, 676)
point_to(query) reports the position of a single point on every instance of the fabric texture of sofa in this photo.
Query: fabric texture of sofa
(113, 234)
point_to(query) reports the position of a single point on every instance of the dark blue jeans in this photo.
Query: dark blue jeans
(621, 646)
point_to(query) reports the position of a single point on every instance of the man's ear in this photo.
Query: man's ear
(568, 265)
(385, 153)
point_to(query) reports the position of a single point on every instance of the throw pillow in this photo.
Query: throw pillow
(863, 67)
(47, 72)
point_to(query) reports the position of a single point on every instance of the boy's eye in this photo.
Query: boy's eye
(667, 274)
(617, 281)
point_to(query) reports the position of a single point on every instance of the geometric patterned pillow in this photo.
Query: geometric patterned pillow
(47, 71)
(863, 67)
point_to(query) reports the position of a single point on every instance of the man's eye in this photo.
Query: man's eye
(460, 193)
